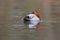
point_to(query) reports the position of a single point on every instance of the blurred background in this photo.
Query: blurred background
(12, 28)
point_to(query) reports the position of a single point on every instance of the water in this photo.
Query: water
(12, 28)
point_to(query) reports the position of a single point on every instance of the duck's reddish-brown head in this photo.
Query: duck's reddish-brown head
(36, 12)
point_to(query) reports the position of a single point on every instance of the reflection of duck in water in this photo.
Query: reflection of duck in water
(32, 20)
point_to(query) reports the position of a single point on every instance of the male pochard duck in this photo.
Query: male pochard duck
(32, 19)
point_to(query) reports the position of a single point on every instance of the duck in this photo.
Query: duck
(32, 20)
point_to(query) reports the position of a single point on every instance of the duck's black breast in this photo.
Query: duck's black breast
(26, 19)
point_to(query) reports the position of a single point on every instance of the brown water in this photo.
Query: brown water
(12, 28)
